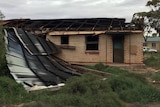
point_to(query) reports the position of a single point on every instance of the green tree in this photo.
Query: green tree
(3, 64)
(1, 15)
(151, 18)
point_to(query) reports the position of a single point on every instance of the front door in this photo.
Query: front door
(118, 49)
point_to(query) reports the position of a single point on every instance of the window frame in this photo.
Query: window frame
(91, 41)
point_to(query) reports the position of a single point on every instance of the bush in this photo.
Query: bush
(115, 70)
(11, 92)
(100, 66)
(153, 60)
(133, 88)
(121, 83)
(14, 93)
(141, 94)
(156, 76)
(3, 64)
(89, 91)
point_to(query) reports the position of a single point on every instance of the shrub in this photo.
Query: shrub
(89, 91)
(3, 64)
(153, 60)
(141, 94)
(11, 92)
(121, 83)
(100, 66)
(156, 76)
(115, 70)
(134, 88)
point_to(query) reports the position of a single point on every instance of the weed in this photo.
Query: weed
(156, 76)
(153, 60)
(3, 64)
(134, 88)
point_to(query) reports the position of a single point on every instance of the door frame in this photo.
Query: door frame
(118, 48)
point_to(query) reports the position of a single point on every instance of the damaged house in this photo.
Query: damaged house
(90, 40)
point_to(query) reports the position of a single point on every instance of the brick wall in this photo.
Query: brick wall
(132, 49)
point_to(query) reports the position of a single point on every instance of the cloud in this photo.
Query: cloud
(37, 9)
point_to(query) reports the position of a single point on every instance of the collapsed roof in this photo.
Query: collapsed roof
(29, 62)
(83, 24)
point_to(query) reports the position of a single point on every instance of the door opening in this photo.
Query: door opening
(118, 49)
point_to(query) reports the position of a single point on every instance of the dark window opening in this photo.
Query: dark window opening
(64, 39)
(91, 42)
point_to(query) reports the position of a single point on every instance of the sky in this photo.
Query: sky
(60, 9)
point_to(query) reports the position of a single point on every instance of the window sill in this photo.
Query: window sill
(92, 52)
(67, 47)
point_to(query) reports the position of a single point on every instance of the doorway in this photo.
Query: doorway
(118, 49)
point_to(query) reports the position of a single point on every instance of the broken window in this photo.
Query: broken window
(91, 42)
(64, 39)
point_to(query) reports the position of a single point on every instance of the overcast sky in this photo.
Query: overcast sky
(57, 9)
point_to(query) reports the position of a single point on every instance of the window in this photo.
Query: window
(144, 44)
(91, 42)
(153, 45)
(64, 39)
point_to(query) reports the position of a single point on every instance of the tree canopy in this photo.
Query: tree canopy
(151, 18)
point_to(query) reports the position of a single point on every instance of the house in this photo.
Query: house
(90, 40)
(86, 41)
(153, 42)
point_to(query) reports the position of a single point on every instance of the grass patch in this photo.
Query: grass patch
(11, 92)
(152, 60)
(141, 94)
(156, 76)
(101, 67)
(89, 91)
(134, 88)
(131, 87)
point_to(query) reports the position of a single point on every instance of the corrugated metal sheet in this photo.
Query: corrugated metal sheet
(153, 39)
(27, 58)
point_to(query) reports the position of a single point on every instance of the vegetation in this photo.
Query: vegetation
(3, 65)
(11, 92)
(101, 67)
(130, 87)
(152, 60)
(1, 15)
(89, 90)
(150, 18)
(156, 76)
